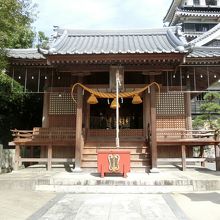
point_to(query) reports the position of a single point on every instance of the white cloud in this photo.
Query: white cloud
(101, 14)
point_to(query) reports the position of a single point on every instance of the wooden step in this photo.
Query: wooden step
(93, 163)
(93, 150)
(134, 156)
(112, 144)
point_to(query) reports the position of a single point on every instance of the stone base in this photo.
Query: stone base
(77, 170)
(154, 170)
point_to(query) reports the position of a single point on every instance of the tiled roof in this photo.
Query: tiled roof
(204, 52)
(196, 13)
(163, 40)
(31, 53)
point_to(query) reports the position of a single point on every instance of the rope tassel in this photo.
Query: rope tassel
(110, 95)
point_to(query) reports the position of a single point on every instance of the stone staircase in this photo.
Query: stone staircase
(140, 153)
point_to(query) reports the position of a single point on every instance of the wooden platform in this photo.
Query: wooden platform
(49, 138)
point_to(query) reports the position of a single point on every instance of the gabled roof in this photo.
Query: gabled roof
(31, 53)
(77, 42)
(175, 4)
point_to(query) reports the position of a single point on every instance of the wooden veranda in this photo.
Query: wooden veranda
(48, 138)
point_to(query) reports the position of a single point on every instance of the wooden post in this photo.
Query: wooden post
(217, 157)
(49, 157)
(183, 151)
(146, 113)
(153, 128)
(201, 154)
(45, 121)
(17, 156)
(188, 111)
(78, 129)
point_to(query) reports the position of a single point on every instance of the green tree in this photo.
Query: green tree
(210, 112)
(42, 40)
(17, 109)
(16, 17)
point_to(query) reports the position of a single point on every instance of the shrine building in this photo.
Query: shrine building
(160, 72)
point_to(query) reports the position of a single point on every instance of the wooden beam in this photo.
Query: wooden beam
(114, 58)
(78, 128)
(17, 156)
(71, 68)
(183, 152)
(49, 157)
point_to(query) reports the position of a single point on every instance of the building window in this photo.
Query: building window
(196, 2)
(189, 27)
(211, 2)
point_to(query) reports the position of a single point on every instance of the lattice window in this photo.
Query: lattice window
(171, 104)
(171, 122)
(62, 103)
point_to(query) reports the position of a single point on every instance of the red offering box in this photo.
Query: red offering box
(113, 161)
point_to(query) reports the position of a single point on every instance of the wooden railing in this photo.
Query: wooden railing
(169, 134)
(55, 135)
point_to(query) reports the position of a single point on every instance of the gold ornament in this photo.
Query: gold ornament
(114, 104)
(92, 100)
(136, 99)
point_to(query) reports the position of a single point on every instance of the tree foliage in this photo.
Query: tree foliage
(42, 40)
(210, 112)
(17, 109)
(16, 17)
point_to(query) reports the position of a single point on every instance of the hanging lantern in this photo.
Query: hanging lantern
(114, 104)
(92, 100)
(136, 99)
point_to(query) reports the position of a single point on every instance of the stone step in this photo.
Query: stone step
(114, 189)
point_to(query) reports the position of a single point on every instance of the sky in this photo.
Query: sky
(100, 14)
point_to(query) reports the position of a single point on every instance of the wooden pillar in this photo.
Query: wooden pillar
(188, 111)
(49, 157)
(17, 156)
(217, 157)
(201, 154)
(78, 129)
(45, 119)
(183, 152)
(146, 113)
(153, 127)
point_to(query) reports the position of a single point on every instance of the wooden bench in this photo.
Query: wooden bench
(56, 136)
(165, 161)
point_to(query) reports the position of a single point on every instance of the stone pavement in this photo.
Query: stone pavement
(109, 207)
(58, 180)
(69, 195)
